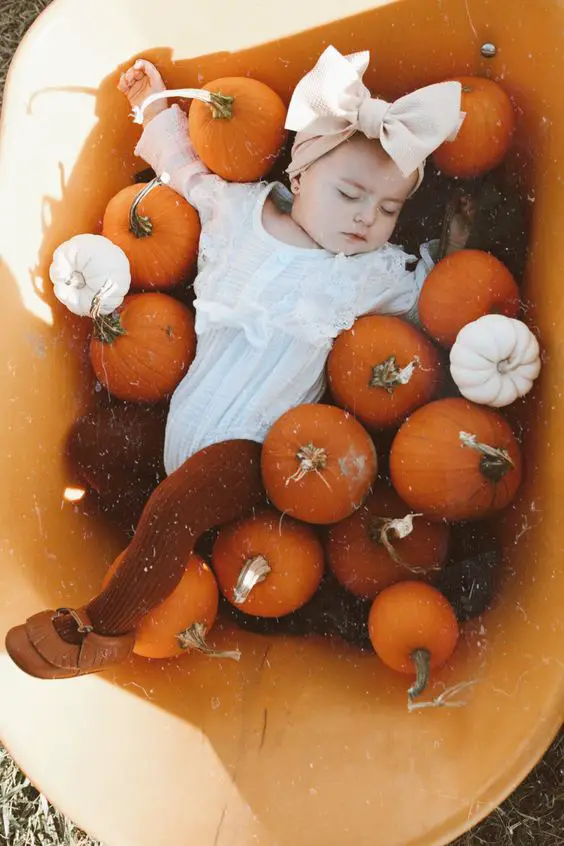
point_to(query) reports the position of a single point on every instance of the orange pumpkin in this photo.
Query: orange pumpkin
(382, 543)
(318, 463)
(463, 287)
(413, 629)
(178, 624)
(240, 133)
(381, 369)
(158, 230)
(141, 351)
(268, 565)
(455, 460)
(486, 132)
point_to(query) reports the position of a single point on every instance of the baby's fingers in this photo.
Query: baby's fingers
(124, 84)
(128, 79)
(150, 70)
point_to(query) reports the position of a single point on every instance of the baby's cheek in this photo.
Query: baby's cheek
(389, 225)
(324, 220)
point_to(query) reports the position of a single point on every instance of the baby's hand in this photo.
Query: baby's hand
(138, 83)
(459, 223)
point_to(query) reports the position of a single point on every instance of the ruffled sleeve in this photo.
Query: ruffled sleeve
(165, 145)
(391, 287)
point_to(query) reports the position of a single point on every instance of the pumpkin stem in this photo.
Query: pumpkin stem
(310, 458)
(139, 225)
(506, 365)
(422, 661)
(255, 570)
(107, 328)
(444, 699)
(221, 106)
(96, 304)
(220, 103)
(194, 638)
(494, 463)
(380, 530)
(76, 280)
(388, 375)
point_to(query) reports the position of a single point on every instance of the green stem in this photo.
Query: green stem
(422, 660)
(389, 375)
(495, 462)
(108, 328)
(139, 225)
(221, 106)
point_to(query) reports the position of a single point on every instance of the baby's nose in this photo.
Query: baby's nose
(368, 214)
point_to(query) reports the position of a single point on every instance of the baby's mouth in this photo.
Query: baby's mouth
(354, 236)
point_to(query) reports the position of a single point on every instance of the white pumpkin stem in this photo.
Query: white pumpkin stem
(443, 700)
(96, 304)
(495, 462)
(255, 570)
(220, 103)
(388, 375)
(194, 638)
(76, 280)
(311, 459)
(507, 366)
(382, 527)
(140, 225)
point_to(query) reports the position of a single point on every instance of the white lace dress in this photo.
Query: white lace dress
(266, 312)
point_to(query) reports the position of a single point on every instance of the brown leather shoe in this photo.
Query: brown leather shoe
(39, 650)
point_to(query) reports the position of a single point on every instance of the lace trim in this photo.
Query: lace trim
(341, 296)
(316, 308)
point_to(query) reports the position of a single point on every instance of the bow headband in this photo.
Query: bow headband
(331, 103)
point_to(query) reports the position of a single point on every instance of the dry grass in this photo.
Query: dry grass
(532, 816)
(15, 18)
(27, 818)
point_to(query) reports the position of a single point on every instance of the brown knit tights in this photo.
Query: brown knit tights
(216, 485)
(117, 450)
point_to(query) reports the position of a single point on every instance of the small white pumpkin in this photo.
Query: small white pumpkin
(495, 360)
(90, 274)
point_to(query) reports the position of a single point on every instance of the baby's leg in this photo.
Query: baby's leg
(139, 82)
(216, 485)
(118, 452)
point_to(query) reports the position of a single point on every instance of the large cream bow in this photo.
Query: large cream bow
(331, 101)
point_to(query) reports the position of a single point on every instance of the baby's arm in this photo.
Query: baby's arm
(457, 226)
(394, 288)
(455, 235)
(165, 143)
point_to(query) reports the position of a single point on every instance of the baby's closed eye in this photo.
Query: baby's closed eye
(385, 210)
(348, 196)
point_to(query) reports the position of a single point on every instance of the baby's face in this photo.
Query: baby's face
(349, 200)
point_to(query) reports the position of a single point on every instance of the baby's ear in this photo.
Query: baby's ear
(295, 183)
